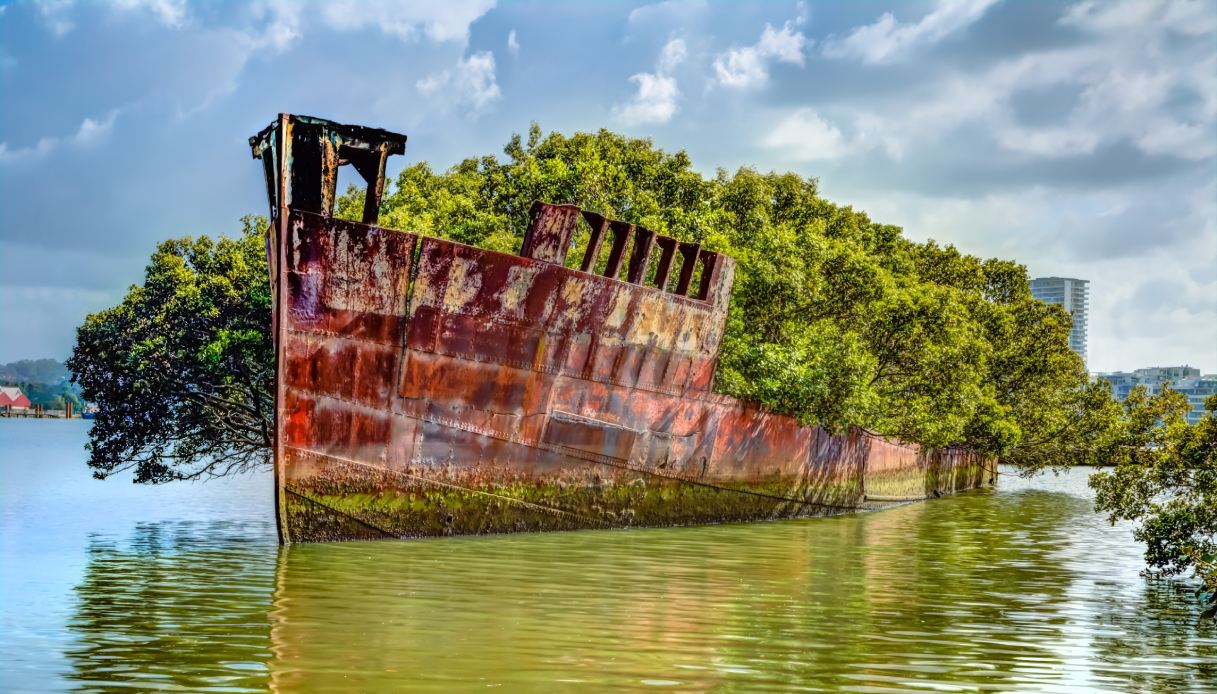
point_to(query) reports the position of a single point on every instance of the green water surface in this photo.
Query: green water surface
(109, 586)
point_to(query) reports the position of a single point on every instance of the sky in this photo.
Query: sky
(1077, 138)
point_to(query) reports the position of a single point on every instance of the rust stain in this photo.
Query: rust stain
(426, 387)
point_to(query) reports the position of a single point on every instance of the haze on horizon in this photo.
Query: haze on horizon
(1077, 138)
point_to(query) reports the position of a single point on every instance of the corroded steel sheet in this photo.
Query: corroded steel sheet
(427, 387)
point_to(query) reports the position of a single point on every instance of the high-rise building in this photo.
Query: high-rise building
(1074, 295)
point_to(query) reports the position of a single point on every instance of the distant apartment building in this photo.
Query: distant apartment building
(1074, 296)
(1184, 379)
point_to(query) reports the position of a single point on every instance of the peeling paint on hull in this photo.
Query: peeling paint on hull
(429, 388)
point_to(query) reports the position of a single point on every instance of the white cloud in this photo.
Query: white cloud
(1185, 140)
(669, 11)
(749, 66)
(673, 53)
(171, 13)
(408, 20)
(887, 40)
(92, 131)
(281, 24)
(655, 101)
(89, 133)
(925, 118)
(785, 46)
(54, 14)
(283, 20)
(448, 20)
(35, 151)
(1124, 85)
(805, 136)
(1047, 142)
(471, 82)
(1123, 95)
(657, 95)
(513, 45)
(801, 13)
(1191, 17)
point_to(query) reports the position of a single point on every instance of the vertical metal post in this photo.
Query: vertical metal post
(667, 253)
(599, 224)
(621, 235)
(688, 264)
(640, 257)
(709, 273)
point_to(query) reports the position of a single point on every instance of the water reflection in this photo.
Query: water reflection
(1018, 589)
(180, 605)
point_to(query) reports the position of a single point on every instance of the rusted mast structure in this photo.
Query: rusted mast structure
(300, 160)
(427, 387)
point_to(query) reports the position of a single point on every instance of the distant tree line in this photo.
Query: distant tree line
(48, 371)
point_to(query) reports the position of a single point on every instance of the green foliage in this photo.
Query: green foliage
(835, 319)
(183, 368)
(1165, 478)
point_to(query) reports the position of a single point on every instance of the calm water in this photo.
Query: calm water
(109, 585)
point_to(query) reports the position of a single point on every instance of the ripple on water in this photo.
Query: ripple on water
(1019, 589)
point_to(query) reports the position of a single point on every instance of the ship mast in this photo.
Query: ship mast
(300, 157)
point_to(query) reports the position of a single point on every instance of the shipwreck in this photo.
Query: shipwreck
(428, 388)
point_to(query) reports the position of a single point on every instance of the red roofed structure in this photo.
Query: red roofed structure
(11, 396)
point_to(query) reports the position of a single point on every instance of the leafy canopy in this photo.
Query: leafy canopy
(1165, 478)
(182, 370)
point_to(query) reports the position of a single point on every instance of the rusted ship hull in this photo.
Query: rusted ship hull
(430, 388)
(479, 393)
